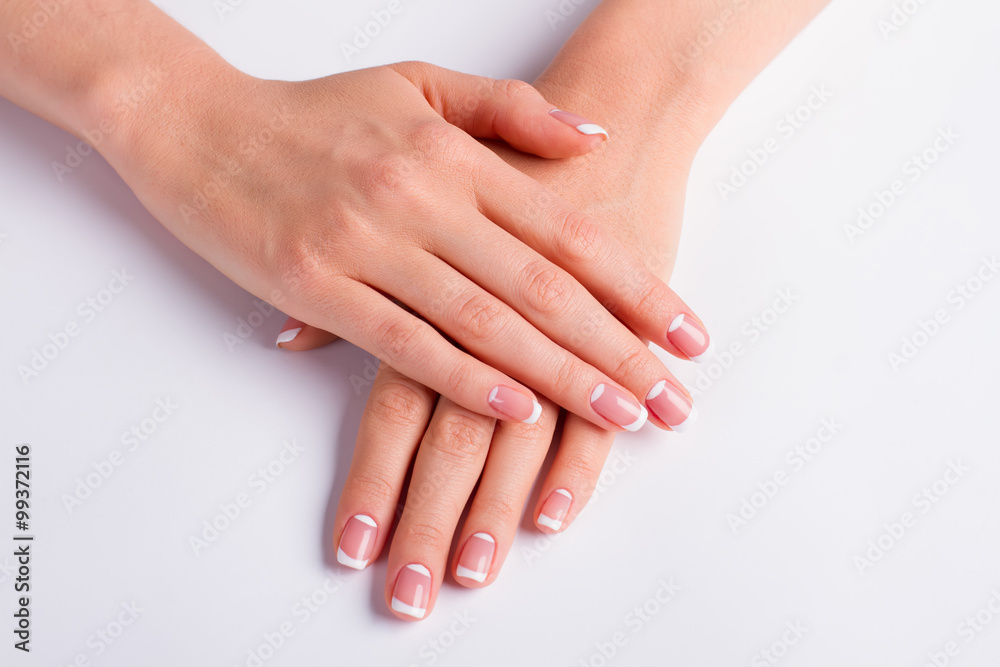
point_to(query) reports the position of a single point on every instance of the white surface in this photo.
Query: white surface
(660, 520)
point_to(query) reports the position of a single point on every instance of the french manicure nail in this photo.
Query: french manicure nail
(671, 406)
(515, 405)
(618, 407)
(288, 336)
(477, 556)
(687, 335)
(357, 542)
(412, 591)
(555, 508)
(582, 125)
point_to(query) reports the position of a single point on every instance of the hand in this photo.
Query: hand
(331, 197)
(451, 449)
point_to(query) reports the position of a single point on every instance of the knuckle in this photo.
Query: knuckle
(501, 510)
(514, 88)
(459, 437)
(394, 338)
(566, 377)
(649, 295)
(631, 366)
(579, 238)
(550, 289)
(480, 317)
(375, 488)
(388, 174)
(459, 377)
(304, 267)
(397, 403)
(423, 534)
(443, 142)
(583, 470)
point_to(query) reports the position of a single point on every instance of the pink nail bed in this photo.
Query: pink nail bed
(555, 508)
(515, 405)
(412, 591)
(357, 542)
(477, 556)
(687, 335)
(618, 407)
(671, 406)
(582, 125)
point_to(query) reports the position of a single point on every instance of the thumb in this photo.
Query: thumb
(503, 109)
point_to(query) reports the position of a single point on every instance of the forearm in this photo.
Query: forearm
(84, 65)
(645, 65)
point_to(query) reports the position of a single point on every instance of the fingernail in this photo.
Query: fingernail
(357, 542)
(671, 406)
(412, 590)
(287, 336)
(687, 335)
(477, 556)
(515, 405)
(618, 407)
(555, 508)
(582, 125)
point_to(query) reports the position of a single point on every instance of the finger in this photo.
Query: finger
(394, 421)
(493, 332)
(413, 347)
(448, 463)
(297, 336)
(573, 476)
(578, 244)
(503, 108)
(515, 456)
(550, 298)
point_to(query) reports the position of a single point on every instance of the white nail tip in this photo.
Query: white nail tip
(656, 390)
(685, 425)
(549, 522)
(365, 519)
(598, 390)
(535, 413)
(416, 567)
(637, 424)
(485, 537)
(466, 573)
(346, 560)
(706, 355)
(403, 608)
(590, 128)
(677, 321)
(288, 336)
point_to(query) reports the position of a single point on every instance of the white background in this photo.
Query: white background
(663, 515)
